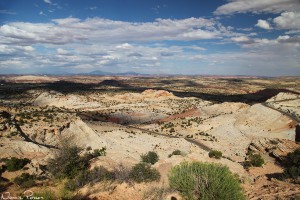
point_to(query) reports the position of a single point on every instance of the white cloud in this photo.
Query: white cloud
(124, 46)
(62, 51)
(42, 13)
(288, 20)
(66, 21)
(243, 40)
(263, 24)
(258, 6)
(280, 41)
(48, 1)
(200, 34)
(16, 33)
(95, 43)
(295, 40)
(11, 62)
(97, 30)
(16, 50)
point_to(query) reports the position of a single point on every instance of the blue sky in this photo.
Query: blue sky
(236, 37)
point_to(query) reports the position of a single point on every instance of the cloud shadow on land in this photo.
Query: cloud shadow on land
(8, 90)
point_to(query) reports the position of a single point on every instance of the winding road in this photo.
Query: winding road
(197, 143)
(266, 104)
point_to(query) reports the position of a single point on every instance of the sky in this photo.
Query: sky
(192, 37)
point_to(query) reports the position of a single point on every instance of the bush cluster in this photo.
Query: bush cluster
(205, 181)
(150, 157)
(142, 172)
(255, 160)
(15, 164)
(176, 152)
(121, 173)
(215, 154)
(99, 152)
(292, 165)
(92, 176)
(25, 180)
(68, 162)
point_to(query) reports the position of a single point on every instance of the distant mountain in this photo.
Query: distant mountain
(59, 73)
(98, 72)
(102, 73)
(129, 73)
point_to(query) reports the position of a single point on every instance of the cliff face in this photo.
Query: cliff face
(297, 139)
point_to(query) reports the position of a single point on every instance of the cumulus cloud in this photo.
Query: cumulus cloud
(95, 43)
(62, 51)
(243, 40)
(263, 24)
(288, 20)
(199, 34)
(5, 49)
(295, 40)
(135, 55)
(285, 41)
(258, 6)
(124, 46)
(73, 30)
(66, 21)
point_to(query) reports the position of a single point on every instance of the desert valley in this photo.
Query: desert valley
(150, 100)
(180, 118)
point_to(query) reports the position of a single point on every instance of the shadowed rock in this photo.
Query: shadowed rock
(297, 139)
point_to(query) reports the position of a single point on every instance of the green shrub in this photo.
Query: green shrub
(86, 177)
(142, 172)
(176, 152)
(25, 180)
(215, 154)
(99, 152)
(68, 162)
(256, 160)
(292, 164)
(121, 173)
(205, 181)
(15, 164)
(151, 157)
